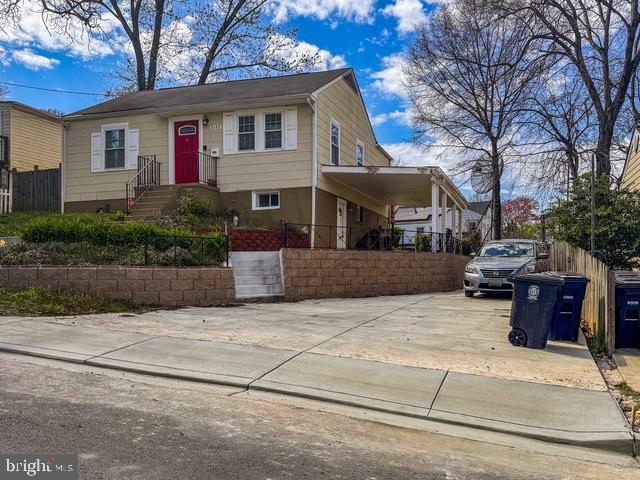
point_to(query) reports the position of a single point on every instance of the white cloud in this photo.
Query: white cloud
(358, 10)
(410, 154)
(33, 61)
(409, 14)
(4, 56)
(30, 30)
(390, 79)
(400, 117)
(290, 50)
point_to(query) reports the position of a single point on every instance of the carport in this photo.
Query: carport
(425, 186)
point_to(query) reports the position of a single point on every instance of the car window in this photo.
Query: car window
(516, 249)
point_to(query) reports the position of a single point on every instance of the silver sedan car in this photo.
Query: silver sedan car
(489, 268)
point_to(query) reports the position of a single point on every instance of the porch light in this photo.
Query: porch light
(205, 121)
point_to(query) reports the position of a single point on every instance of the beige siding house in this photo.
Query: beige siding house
(259, 147)
(33, 137)
(631, 175)
(29, 138)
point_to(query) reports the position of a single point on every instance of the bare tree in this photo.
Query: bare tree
(601, 39)
(561, 130)
(195, 41)
(469, 76)
(4, 91)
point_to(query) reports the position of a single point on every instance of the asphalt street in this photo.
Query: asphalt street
(125, 426)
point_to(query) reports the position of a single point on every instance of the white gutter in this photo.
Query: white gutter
(312, 101)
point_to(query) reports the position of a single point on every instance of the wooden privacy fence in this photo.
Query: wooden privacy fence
(37, 190)
(598, 308)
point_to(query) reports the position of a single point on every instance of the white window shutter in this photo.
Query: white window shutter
(97, 153)
(259, 132)
(133, 149)
(291, 128)
(229, 133)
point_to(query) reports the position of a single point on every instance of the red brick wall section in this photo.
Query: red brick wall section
(258, 240)
(351, 273)
(166, 286)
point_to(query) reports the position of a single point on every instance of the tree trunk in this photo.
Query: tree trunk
(496, 201)
(603, 151)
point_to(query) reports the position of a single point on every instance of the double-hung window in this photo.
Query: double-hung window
(114, 148)
(360, 153)
(246, 132)
(273, 130)
(335, 142)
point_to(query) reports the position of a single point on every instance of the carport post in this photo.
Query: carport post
(435, 197)
(454, 225)
(443, 220)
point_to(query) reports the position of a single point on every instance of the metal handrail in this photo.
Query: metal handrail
(208, 168)
(373, 238)
(148, 176)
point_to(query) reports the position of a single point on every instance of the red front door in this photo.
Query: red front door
(186, 141)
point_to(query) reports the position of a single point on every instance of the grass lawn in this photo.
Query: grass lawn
(34, 302)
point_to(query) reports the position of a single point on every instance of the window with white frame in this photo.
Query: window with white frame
(247, 132)
(114, 148)
(335, 142)
(360, 153)
(273, 130)
(266, 200)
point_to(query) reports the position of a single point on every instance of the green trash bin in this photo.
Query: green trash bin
(532, 307)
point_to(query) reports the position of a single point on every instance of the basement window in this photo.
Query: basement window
(266, 200)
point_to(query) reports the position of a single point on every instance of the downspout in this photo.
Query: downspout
(312, 101)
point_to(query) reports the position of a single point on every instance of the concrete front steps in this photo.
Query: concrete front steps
(257, 274)
(155, 201)
(162, 198)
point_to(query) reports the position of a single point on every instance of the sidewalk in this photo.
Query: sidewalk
(553, 413)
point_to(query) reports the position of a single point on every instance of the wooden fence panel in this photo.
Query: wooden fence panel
(37, 190)
(598, 308)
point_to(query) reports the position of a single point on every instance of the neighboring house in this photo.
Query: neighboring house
(631, 174)
(414, 220)
(29, 138)
(297, 148)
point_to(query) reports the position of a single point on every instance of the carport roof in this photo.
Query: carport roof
(405, 186)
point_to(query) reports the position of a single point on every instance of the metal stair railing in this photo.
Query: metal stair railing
(148, 176)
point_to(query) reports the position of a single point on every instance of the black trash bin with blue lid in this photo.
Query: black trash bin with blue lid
(565, 324)
(534, 300)
(627, 310)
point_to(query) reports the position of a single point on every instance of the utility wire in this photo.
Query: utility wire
(49, 89)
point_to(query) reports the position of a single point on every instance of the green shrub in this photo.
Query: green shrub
(194, 205)
(423, 242)
(96, 230)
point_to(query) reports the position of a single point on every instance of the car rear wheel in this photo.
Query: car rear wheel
(468, 293)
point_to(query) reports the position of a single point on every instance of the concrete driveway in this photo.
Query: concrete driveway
(440, 357)
(444, 331)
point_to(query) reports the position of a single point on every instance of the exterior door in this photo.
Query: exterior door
(341, 229)
(186, 145)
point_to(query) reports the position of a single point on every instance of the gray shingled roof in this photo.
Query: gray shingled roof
(236, 90)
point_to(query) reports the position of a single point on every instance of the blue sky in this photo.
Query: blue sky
(368, 35)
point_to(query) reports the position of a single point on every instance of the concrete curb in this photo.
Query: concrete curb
(616, 442)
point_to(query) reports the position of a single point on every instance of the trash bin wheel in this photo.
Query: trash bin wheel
(517, 337)
(468, 293)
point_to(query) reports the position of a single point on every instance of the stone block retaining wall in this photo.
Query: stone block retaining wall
(352, 273)
(166, 286)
